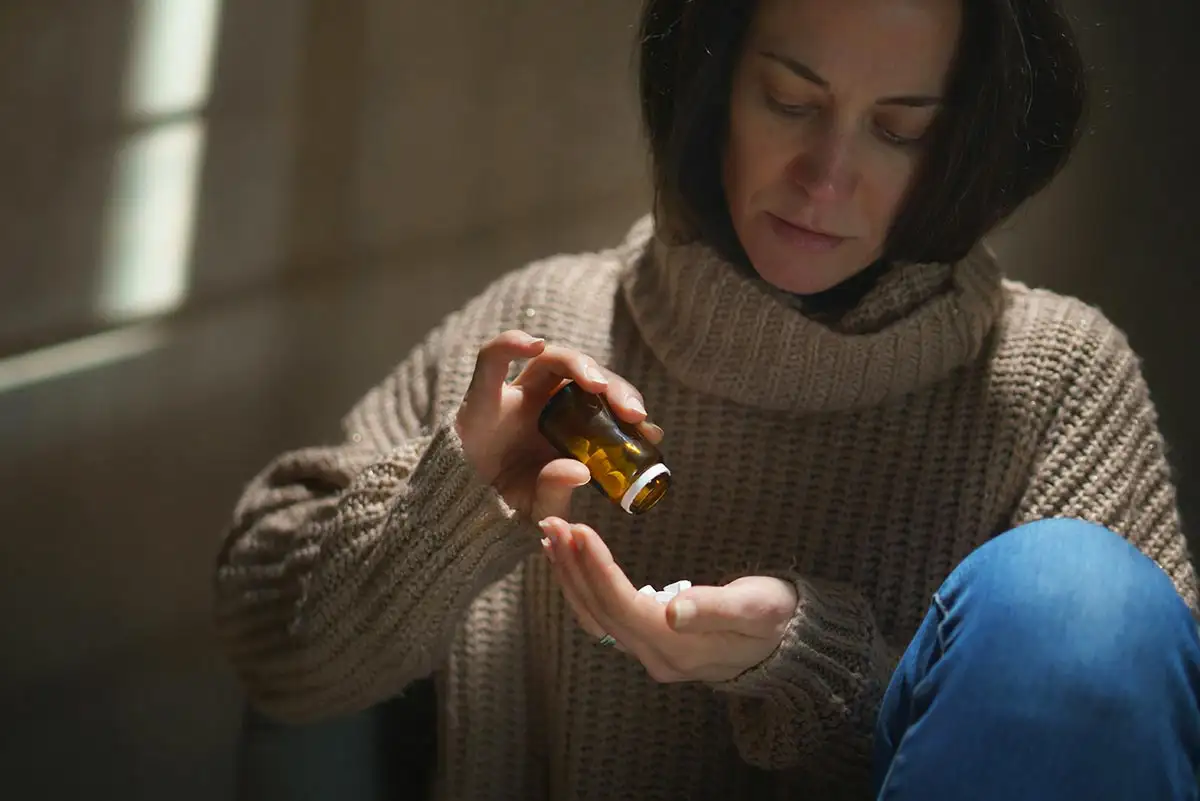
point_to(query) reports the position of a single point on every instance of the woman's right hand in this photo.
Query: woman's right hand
(497, 421)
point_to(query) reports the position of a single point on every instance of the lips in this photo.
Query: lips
(803, 237)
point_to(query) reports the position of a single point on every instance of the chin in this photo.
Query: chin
(799, 267)
(806, 274)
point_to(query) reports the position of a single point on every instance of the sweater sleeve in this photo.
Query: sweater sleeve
(348, 568)
(813, 702)
(1104, 460)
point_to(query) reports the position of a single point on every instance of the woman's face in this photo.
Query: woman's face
(830, 104)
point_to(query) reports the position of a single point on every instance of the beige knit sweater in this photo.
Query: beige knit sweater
(863, 459)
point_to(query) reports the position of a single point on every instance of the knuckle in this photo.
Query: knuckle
(772, 608)
(623, 393)
(486, 354)
(503, 341)
(782, 606)
(562, 353)
(621, 383)
(781, 611)
(586, 361)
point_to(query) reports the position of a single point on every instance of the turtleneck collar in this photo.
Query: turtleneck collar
(723, 332)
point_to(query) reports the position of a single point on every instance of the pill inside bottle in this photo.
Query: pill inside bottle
(625, 466)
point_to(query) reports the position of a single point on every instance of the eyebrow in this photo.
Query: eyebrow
(809, 74)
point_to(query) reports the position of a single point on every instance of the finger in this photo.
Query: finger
(582, 616)
(558, 548)
(544, 374)
(493, 363)
(555, 485)
(568, 559)
(625, 399)
(556, 364)
(639, 622)
(636, 620)
(651, 431)
(559, 536)
(755, 606)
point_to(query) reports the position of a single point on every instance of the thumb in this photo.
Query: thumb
(756, 606)
(555, 484)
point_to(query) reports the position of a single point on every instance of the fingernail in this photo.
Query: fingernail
(654, 429)
(685, 611)
(636, 405)
(544, 525)
(548, 550)
(593, 374)
(536, 340)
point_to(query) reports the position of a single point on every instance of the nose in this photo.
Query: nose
(825, 167)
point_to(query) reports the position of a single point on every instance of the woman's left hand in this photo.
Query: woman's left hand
(704, 634)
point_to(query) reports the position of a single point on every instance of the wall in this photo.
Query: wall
(366, 166)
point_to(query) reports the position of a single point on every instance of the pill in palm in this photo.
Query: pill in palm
(668, 592)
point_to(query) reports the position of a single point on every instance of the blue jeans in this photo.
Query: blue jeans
(1056, 662)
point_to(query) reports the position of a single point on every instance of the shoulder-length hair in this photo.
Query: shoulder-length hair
(1013, 114)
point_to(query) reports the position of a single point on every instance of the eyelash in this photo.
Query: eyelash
(795, 112)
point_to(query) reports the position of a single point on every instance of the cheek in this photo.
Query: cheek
(755, 159)
(884, 189)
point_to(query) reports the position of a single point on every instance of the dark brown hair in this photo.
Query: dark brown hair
(1014, 108)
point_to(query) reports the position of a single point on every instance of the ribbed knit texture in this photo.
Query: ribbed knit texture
(860, 458)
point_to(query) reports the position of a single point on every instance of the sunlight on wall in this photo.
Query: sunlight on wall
(170, 66)
(152, 208)
(155, 192)
(34, 367)
(149, 237)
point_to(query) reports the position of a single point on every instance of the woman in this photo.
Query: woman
(927, 512)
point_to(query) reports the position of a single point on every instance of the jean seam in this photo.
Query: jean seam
(943, 617)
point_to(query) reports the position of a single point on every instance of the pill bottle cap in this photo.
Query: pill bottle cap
(649, 474)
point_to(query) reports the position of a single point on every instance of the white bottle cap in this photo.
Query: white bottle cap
(652, 472)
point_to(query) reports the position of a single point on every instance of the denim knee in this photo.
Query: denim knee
(1068, 606)
(1057, 661)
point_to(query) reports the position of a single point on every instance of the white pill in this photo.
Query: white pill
(664, 597)
(678, 586)
(647, 590)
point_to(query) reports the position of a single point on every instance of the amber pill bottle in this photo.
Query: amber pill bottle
(625, 466)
